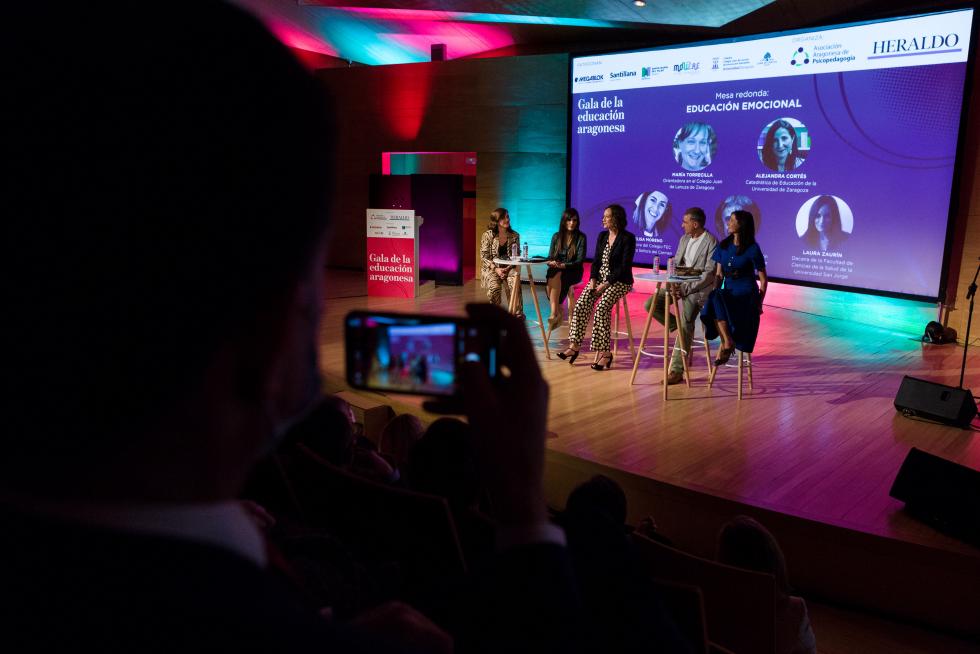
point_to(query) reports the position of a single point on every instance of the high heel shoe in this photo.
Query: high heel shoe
(569, 354)
(724, 354)
(598, 365)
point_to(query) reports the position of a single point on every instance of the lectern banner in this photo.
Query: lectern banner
(392, 253)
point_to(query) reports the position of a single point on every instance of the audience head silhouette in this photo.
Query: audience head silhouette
(443, 463)
(163, 244)
(598, 498)
(744, 543)
(398, 438)
(327, 431)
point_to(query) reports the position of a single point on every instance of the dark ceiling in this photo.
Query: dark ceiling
(377, 32)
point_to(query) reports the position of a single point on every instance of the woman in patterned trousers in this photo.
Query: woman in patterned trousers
(497, 243)
(611, 278)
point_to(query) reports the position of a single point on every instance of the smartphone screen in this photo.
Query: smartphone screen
(411, 353)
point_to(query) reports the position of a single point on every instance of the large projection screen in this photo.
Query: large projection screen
(841, 141)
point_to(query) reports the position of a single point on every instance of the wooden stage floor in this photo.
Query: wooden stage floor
(818, 438)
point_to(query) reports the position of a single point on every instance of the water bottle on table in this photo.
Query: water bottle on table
(525, 258)
(515, 251)
(656, 265)
(671, 267)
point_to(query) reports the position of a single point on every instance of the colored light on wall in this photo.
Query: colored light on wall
(525, 183)
(432, 162)
(463, 17)
(408, 101)
(364, 38)
(906, 317)
(377, 36)
(459, 43)
(359, 41)
(296, 38)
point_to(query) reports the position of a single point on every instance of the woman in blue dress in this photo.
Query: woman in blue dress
(732, 311)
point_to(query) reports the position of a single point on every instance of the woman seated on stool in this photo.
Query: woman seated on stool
(732, 311)
(610, 279)
(564, 263)
(497, 243)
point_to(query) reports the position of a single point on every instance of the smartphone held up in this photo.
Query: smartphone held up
(414, 353)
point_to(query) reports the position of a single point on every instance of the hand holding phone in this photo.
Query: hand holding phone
(495, 380)
(414, 353)
(509, 415)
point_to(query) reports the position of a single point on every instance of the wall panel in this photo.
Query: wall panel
(510, 111)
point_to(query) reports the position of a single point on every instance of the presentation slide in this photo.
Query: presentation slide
(841, 142)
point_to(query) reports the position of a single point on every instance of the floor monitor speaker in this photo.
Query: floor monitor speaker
(926, 399)
(942, 493)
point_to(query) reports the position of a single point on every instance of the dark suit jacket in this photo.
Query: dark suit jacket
(67, 587)
(72, 588)
(620, 259)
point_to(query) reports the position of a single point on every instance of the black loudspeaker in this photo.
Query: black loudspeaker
(946, 404)
(942, 493)
(437, 52)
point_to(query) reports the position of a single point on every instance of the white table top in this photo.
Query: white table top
(518, 262)
(662, 277)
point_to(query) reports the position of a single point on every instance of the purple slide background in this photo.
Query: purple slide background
(883, 141)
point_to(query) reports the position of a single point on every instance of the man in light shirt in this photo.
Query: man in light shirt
(693, 251)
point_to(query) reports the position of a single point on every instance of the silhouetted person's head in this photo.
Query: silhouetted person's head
(745, 543)
(163, 246)
(398, 438)
(327, 430)
(443, 462)
(599, 497)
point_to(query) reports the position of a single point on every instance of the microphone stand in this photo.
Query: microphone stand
(970, 294)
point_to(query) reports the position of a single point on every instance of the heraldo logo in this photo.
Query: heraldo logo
(799, 58)
(589, 78)
(917, 44)
(687, 66)
(622, 73)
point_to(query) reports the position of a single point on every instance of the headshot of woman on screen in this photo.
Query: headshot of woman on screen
(732, 204)
(652, 214)
(781, 148)
(824, 223)
(695, 145)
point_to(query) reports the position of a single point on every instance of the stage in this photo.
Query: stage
(811, 450)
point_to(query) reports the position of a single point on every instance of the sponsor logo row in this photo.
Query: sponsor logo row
(812, 55)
